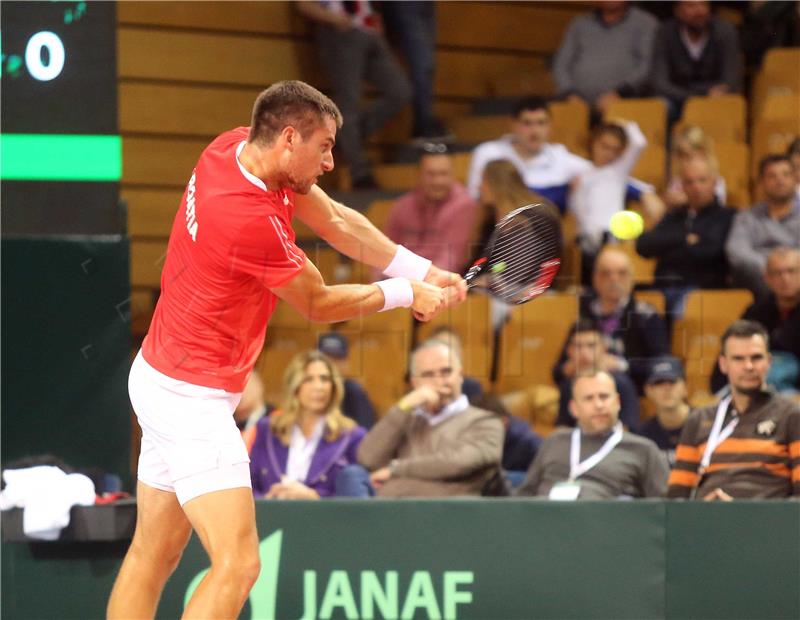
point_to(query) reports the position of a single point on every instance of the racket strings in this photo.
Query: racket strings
(523, 247)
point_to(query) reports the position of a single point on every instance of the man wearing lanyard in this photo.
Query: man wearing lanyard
(598, 459)
(748, 445)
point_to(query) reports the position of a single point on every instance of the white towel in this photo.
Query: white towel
(46, 494)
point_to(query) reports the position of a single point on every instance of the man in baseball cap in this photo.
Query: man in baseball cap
(665, 388)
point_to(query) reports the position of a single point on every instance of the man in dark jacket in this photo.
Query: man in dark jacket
(695, 54)
(634, 331)
(689, 241)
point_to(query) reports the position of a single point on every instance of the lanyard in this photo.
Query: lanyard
(717, 436)
(577, 468)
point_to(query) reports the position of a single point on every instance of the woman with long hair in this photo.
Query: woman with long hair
(300, 449)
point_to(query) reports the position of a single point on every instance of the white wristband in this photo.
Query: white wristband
(406, 264)
(397, 293)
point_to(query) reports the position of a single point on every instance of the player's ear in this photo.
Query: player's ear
(289, 136)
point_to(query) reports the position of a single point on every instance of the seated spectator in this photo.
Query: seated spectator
(605, 55)
(433, 442)
(597, 194)
(666, 390)
(251, 409)
(300, 449)
(793, 152)
(779, 313)
(765, 226)
(695, 54)
(598, 459)
(745, 446)
(633, 331)
(521, 442)
(437, 219)
(689, 241)
(352, 48)
(688, 143)
(586, 350)
(356, 404)
(545, 168)
(470, 386)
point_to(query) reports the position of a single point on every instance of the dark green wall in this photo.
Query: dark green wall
(526, 559)
(65, 350)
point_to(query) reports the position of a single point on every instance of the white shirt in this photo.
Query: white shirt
(601, 190)
(553, 166)
(695, 48)
(301, 451)
(457, 406)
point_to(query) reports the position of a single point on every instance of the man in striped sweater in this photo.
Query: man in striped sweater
(748, 445)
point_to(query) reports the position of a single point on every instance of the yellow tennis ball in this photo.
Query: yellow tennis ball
(626, 225)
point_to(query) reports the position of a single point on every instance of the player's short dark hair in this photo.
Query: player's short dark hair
(530, 104)
(610, 128)
(769, 160)
(292, 103)
(744, 329)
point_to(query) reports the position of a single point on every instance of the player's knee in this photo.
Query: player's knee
(163, 557)
(242, 567)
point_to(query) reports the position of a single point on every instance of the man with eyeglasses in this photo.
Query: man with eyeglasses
(436, 218)
(432, 442)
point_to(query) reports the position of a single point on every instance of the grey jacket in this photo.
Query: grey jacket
(755, 234)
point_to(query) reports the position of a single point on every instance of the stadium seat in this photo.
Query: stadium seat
(400, 177)
(650, 114)
(651, 167)
(461, 163)
(476, 129)
(772, 136)
(531, 341)
(643, 268)
(570, 125)
(734, 160)
(653, 297)
(723, 118)
(378, 212)
(708, 314)
(471, 321)
(537, 405)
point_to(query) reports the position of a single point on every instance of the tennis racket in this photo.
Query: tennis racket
(521, 258)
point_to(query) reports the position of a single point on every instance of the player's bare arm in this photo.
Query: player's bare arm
(352, 234)
(310, 296)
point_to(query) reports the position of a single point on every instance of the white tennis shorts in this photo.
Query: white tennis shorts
(190, 442)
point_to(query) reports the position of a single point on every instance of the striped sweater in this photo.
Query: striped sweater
(760, 459)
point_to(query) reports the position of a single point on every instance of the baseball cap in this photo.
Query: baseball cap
(333, 345)
(665, 369)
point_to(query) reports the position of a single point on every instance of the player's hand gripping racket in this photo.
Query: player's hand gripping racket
(522, 256)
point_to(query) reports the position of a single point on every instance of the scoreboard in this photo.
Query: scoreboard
(60, 150)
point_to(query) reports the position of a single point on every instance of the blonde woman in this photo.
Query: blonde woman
(690, 143)
(300, 449)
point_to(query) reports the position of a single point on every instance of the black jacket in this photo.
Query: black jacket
(703, 264)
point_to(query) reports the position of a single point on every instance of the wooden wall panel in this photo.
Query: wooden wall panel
(151, 211)
(159, 161)
(201, 57)
(523, 26)
(465, 73)
(259, 17)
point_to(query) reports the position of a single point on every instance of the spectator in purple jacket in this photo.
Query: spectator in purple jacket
(301, 448)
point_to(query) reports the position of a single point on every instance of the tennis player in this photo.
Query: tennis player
(231, 255)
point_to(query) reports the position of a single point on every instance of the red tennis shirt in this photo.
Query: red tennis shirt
(231, 241)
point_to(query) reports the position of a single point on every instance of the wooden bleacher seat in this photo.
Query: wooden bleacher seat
(400, 177)
(461, 163)
(653, 297)
(537, 405)
(477, 129)
(734, 164)
(771, 136)
(708, 314)
(472, 323)
(570, 125)
(781, 106)
(650, 114)
(531, 341)
(644, 269)
(378, 212)
(651, 166)
(723, 118)
(569, 274)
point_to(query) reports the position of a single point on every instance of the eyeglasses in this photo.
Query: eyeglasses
(441, 373)
(434, 147)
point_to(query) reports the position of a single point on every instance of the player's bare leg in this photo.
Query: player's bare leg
(162, 531)
(225, 522)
